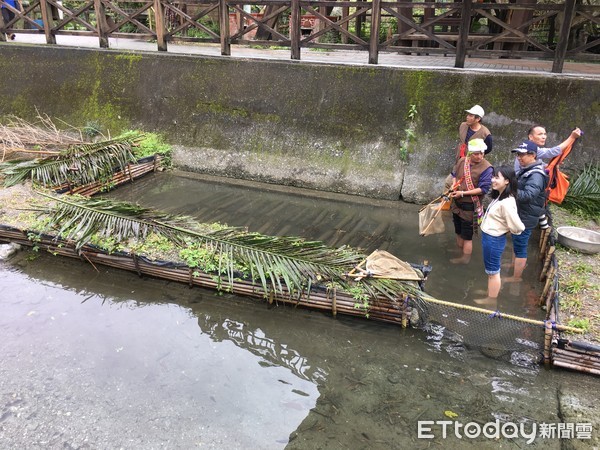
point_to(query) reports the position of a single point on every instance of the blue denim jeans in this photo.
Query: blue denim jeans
(520, 242)
(493, 247)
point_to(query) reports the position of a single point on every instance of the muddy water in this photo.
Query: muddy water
(104, 359)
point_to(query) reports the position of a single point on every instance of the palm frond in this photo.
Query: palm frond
(584, 193)
(78, 165)
(281, 264)
(129, 139)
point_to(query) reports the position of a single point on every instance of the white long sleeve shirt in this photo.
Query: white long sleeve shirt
(502, 217)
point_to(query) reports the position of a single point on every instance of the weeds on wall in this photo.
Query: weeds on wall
(409, 132)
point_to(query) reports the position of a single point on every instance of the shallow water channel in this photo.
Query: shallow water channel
(104, 359)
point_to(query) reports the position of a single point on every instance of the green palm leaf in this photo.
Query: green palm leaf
(281, 264)
(584, 193)
(78, 165)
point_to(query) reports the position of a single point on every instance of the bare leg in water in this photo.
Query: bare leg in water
(494, 283)
(520, 264)
(467, 250)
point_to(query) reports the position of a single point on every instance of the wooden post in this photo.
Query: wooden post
(334, 303)
(161, 26)
(374, 39)
(224, 28)
(358, 22)
(2, 39)
(101, 23)
(345, 13)
(463, 34)
(295, 32)
(563, 40)
(547, 342)
(48, 22)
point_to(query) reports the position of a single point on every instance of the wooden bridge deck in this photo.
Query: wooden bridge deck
(353, 57)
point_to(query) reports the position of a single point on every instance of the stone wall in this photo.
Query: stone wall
(330, 127)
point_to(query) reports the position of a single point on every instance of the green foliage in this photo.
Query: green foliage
(409, 132)
(203, 34)
(108, 243)
(583, 196)
(583, 268)
(35, 238)
(575, 284)
(582, 324)
(78, 165)
(92, 129)
(199, 257)
(361, 295)
(149, 144)
(280, 264)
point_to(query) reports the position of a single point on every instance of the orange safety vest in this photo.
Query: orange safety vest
(558, 184)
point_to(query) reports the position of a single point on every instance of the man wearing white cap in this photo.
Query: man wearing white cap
(472, 128)
(475, 175)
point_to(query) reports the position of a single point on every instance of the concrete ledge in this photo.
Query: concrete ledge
(332, 127)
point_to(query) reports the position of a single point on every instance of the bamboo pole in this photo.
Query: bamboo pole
(547, 343)
(489, 312)
(567, 365)
(547, 262)
(383, 309)
(543, 241)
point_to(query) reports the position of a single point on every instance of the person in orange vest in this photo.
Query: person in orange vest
(537, 134)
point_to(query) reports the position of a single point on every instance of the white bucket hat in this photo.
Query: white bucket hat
(476, 110)
(476, 145)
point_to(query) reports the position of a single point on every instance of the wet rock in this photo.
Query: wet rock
(7, 250)
(578, 404)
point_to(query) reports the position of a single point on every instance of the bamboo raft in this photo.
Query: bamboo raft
(130, 173)
(576, 356)
(321, 298)
(560, 352)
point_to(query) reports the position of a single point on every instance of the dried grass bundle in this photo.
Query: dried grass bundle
(41, 137)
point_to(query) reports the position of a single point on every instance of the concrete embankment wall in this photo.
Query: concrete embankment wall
(329, 127)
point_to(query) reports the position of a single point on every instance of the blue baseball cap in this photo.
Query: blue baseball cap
(526, 147)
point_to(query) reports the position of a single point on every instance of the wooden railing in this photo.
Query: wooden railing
(523, 30)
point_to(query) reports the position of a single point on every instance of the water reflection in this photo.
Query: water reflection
(257, 343)
(156, 371)
(338, 220)
(118, 361)
(129, 362)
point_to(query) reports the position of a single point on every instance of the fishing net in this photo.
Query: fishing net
(496, 335)
(383, 264)
(430, 219)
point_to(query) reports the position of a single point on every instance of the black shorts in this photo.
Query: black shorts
(463, 228)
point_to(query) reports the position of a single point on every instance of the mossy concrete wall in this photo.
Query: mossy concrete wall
(329, 127)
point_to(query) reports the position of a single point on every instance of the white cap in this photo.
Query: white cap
(476, 145)
(476, 110)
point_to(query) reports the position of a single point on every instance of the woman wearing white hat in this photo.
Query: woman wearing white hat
(475, 175)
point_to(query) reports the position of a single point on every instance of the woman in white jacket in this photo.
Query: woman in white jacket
(500, 218)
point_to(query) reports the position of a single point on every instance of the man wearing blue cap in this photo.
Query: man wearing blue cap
(532, 181)
(537, 134)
